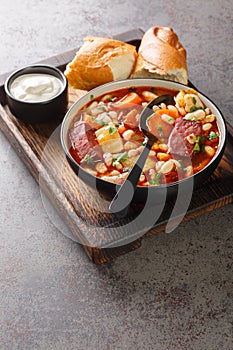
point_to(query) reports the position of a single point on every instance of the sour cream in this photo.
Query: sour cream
(36, 87)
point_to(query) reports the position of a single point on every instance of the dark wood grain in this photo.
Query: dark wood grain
(39, 147)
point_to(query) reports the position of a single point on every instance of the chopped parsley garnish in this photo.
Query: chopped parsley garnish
(111, 129)
(203, 148)
(144, 142)
(196, 148)
(180, 161)
(194, 100)
(112, 99)
(191, 117)
(171, 119)
(98, 121)
(92, 97)
(212, 135)
(155, 180)
(102, 108)
(119, 158)
(153, 89)
(200, 138)
(88, 159)
(195, 108)
(160, 130)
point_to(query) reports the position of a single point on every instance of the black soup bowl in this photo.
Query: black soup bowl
(37, 93)
(156, 191)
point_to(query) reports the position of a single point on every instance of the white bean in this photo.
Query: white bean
(128, 134)
(149, 96)
(158, 165)
(168, 119)
(210, 151)
(206, 127)
(152, 153)
(167, 167)
(108, 158)
(129, 145)
(142, 178)
(155, 108)
(181, 110)
(152, 173)
(196, 115)
(179, 98)
(114, 173)
(163, 147)
(209, 118)
(132, 153)
(93, 105)
(101, 168)
(192, 100)
(173, 109)
(119, 166)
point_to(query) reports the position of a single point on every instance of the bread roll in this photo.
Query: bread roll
(161, 55)
(99, 61)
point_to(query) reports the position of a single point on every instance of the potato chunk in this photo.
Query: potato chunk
(109, 139)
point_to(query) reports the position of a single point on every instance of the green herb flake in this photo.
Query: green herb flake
(119, 158)
(100, 122)
(202, 148)
(144, 142)
(212, 136)
(153, 89)
(171, 119)
(200, 138)
(195, 108)
(160, 130)
(92, 97)
(196, 148)
(194, 100)
(113, 99)
(195, 119)
(88, 159)
(156, 179)
(111, 129)
(180, 161)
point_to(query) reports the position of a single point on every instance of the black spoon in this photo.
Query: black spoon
(121, 201)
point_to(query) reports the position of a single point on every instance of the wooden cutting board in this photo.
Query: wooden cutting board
(81, 207)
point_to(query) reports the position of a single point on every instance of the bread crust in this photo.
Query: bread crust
(90, 66)
(162, 54)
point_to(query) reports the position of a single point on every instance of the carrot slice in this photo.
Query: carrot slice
(121, 129)
(168, 112)
(127, 100)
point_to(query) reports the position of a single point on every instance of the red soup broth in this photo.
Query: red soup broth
(105, 140)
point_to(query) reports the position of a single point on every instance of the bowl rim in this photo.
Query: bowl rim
(70, 114)
(37, 68)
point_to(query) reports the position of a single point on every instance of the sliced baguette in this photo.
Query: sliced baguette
(161, 55)
(99, 61)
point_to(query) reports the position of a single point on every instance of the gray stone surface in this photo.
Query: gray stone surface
(176, 291)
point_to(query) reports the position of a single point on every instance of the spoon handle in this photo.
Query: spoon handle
(122, 199)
